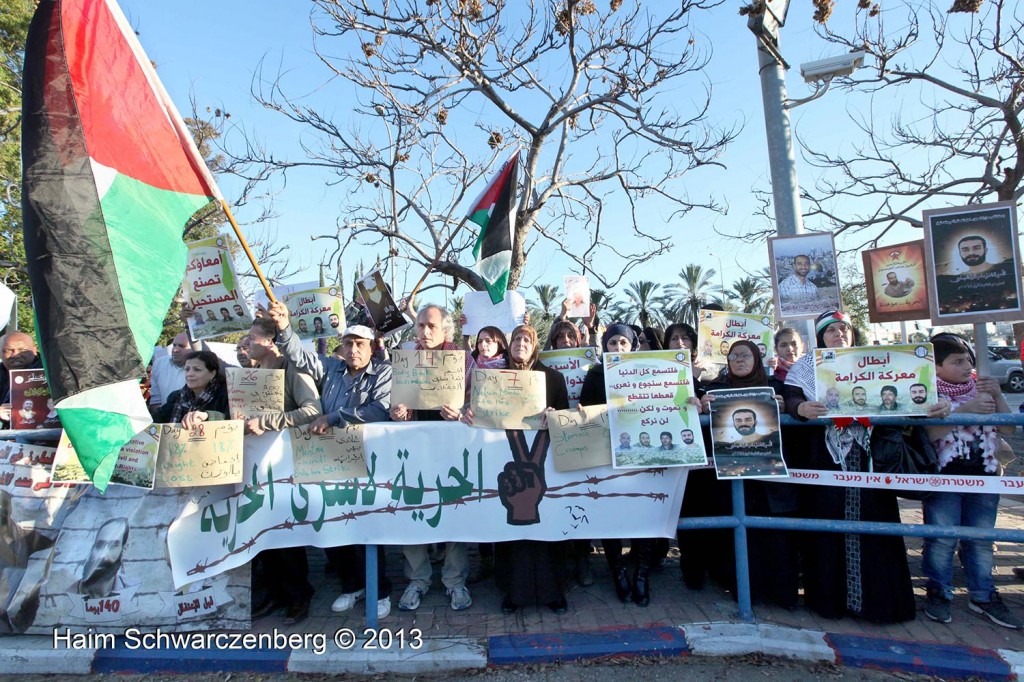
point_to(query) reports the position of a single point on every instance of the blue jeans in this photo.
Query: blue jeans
(960, 509)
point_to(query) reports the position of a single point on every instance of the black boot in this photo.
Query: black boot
(641, 576)
(617, 568)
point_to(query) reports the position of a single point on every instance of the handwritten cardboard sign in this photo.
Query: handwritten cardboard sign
(211, 287)
(480, 312)
(745, 436)
(208, 454)
(577, 291)
(718, 330)
(334, 456)
(428, 379)
(572, 364)
(652, 422)
(380, 306)
(316, 313)
(580, 439)
(31, 404)
(253, 392)
(871, 380)
(507, 398)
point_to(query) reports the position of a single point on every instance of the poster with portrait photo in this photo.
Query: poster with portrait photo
(864, 381)
(897, 282)
(805, 275)
(374, 296)
(972, 252)
(316, 313)
(718, 330)
(212, 289)
(745, 437)
(31, 404)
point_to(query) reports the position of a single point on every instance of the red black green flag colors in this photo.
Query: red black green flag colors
(111, 177)
(495, 212)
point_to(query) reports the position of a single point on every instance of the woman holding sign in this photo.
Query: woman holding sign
(775, 573)
(864, 575)
(204, 397)
(529, 571)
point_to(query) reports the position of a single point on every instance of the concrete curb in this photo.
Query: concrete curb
(36, 655)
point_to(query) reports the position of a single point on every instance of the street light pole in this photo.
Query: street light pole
(782, 163)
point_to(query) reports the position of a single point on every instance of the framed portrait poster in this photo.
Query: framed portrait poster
(805, 275)
(897, 282)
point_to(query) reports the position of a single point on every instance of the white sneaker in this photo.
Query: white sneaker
(410, 600)
(461, 599)
(383, 608)
(346, 601)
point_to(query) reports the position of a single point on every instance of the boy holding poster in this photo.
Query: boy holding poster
(964, 451)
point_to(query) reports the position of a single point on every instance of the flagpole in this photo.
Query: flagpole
(248, 252)
(433, 264)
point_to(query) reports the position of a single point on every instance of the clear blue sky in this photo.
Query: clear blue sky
(209, 52)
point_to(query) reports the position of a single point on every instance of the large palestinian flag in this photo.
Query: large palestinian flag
(111, 176)
(495, 212)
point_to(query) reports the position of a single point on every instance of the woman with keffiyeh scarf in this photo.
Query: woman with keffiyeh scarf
(204, 397)
(864, 575)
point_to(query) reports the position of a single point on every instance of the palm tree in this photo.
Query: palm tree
(692, 294)
(547, 297)
(643, 303)
(751, 295)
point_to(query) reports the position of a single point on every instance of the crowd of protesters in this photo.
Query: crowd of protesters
(867, 576)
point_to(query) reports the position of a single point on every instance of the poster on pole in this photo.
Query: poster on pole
(651, 421)
(745, 436)
(876, 380)
(212, 289)
(973, 254)
(480, 312)
(428, 379)
(805, 275)
(255, 392)
(316, 313)
(718, 330)
(31, 404)
(376, 298)
(580, 438)
(572, 364)
(897, 282)
(507, 398)
(577, 292)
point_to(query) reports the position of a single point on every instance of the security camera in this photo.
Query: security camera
(826, 69)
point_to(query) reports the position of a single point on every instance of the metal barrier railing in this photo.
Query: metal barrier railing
(739, 521)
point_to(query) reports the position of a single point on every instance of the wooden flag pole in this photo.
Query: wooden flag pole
(248, 251)
(433, 264)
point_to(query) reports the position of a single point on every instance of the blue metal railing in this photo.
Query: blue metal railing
(739, 521)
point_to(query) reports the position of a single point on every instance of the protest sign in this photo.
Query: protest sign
(254, 392)
(210, 453)
(580, 438)
(25, 455)
(376, 298)
(973, 255)
(316, 313)
(428, 379)
(648, 394)
(483, 485)
(31, 404)
(82, 560)
(869, 380)
(572, 364)
(805, 275)
(718, 330)
(211, 287)
(136, 463)
(66, 466)
(480, 312)
(577, 292)
(335, 456)
(745, 437)
(897, 282)
(507, 398)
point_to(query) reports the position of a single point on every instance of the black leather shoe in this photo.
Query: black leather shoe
(296, 613)
(622, 586)
(266, 606)
(641, 589)
(559, 606)
(507, 607)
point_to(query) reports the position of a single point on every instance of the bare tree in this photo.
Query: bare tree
(594, 98)
(961, 142)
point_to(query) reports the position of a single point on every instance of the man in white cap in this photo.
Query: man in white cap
(354, 389)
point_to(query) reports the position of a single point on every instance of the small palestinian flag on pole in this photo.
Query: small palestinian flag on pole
(111, 177)
(495, 212)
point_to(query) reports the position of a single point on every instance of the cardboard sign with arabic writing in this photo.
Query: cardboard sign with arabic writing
(875, 380)
(208, 454)
(211, 287)
(253, 392)
(428, 379)
(335, 456)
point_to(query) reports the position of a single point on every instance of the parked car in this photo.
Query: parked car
(1007, 352)
(1009, 373)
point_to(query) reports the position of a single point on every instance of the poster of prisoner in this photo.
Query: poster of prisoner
(805, 275)
(897, 282)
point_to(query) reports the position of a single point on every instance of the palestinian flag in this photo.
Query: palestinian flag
(111, 176)
(495, 212)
